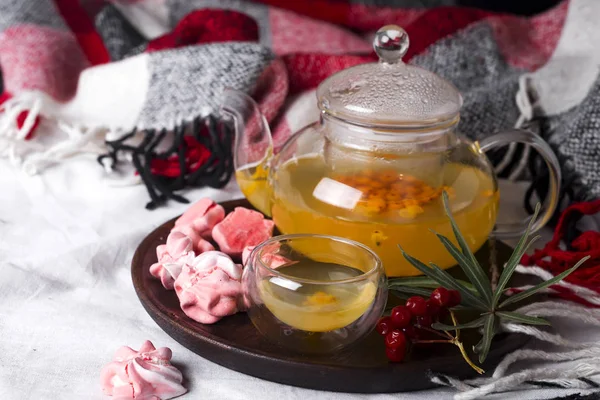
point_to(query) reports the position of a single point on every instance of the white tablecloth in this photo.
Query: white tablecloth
(67, 300)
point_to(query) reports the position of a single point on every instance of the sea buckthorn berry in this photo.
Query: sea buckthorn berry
(381, 193)
(376, 201)
(363, 180)
(364, 190)
(410, 211)
(395, 355)
(387, 190)
(384, 326)
(396, 205)
(388, 176)
(455, 298)
(433, 310)
(417, 305)
(376, 185)
(378, 237)
(441, 297)
(393, 196)
(401, 316)
(395, 339)
(424, 321)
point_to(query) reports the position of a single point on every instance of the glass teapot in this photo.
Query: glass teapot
(373, 168)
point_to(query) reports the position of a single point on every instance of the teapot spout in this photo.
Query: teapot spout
(253, 148)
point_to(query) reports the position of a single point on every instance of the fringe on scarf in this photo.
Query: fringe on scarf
(202, 158)
(200, 154)
(584, 375)
(19, 118)
(526, 105)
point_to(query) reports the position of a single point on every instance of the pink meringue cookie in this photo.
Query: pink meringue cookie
(199, 244)
(209, 287)
(271, 260)
(171, 258)
(143, 374)
(242, 228)
(202, 216)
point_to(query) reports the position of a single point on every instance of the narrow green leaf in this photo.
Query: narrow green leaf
(459, 237)
(422, 282)
(445, 280)
(411, 291)
(413, 281)
(521, 318)
(514, 259)
(473, 324)
(489, 331)
(510, 268)
(474, 272)
(531, 291)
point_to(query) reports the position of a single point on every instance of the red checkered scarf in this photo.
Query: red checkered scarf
(158, 68)
(108, 64)
(576, 236)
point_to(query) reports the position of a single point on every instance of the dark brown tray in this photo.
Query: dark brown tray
(234, 343)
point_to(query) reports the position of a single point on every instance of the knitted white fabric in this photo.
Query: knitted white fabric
(584, 373)
(565, 80)
(584, 293)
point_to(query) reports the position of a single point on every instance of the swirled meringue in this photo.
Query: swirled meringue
(172, 256)
(271, 260)
(209, 287)
(240, 229)
(144, 374)
(199, 244)
(202, 217)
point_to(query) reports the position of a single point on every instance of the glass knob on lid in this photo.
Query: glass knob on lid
(390, 94)
(391, 43)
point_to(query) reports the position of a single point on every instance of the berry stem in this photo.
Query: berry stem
(455, 322)
(466, 357)
(461, 347)
(443, 334)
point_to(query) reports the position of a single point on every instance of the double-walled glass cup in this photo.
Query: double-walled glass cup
(314, 293)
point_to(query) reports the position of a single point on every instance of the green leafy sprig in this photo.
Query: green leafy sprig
(478, 293)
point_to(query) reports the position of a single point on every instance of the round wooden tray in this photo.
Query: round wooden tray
(234, 343)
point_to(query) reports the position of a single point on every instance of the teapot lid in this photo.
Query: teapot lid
(389, 93)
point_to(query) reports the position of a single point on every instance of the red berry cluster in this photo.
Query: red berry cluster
(408, 321)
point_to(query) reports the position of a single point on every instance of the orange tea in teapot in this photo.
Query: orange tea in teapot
(382, 208)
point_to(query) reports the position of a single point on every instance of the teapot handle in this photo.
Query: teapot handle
(511, 230)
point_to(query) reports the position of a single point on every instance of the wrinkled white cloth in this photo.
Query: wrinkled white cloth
(67, 301)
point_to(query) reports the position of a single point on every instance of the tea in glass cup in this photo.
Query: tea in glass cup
(323, 294)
